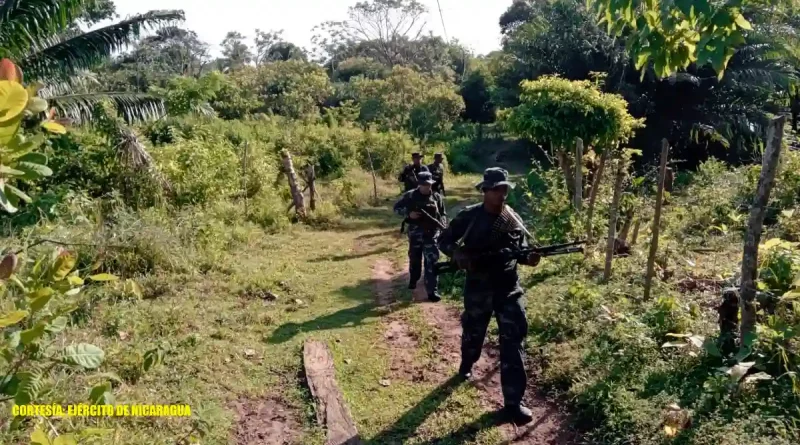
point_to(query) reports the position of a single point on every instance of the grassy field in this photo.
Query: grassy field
(229, 346)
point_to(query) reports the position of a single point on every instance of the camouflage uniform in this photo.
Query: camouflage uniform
(491, 287)
(437, 170)
(408, 174)
(422, 234)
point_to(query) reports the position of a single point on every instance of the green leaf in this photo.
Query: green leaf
(57, 325)
(75, 280)
(30, 335)
(65, 439)
(63, 266)
(84, 355)
(711, 348)
(39, 437)
(34, 171)
(30, 383)
(12, 318)
(8, 171)
(40, 301)
(152, 358)
(4, 202)
(742, 22)
(19, 193)
(33, 158)
(103, 277)
(8, 130)
(101, 394)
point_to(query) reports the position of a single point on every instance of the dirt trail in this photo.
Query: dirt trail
(549, 424)
(267, 421)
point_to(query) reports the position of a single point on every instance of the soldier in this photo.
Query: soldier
(410, 173)
(492, 287)
(425, 213)
(437, 170)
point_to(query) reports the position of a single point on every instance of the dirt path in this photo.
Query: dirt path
(549, 425)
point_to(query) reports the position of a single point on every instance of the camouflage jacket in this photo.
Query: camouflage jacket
(408, 176)
(432, 204)
(437, 171)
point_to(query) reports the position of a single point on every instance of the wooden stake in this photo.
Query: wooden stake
(769, 168)
(635, 236)
(578, 198)
(311, 178)
(651, 258)
(244, 179)
(297, 195)
(612, 220)
(598, 177)
(374, 179)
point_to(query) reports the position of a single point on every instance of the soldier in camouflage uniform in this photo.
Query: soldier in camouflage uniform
(492, 286)
(411, 172)
(437, 170)
(425, 213)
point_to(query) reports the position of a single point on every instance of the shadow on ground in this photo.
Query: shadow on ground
(350, 317)
(350, 256)
(406, 426)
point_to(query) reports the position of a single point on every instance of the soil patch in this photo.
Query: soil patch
(383, 277)
(403, 344)
(267, 421)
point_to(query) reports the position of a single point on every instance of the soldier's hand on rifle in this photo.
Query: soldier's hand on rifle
(414, 215)
(533, 259)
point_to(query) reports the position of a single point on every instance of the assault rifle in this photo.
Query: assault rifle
(504, 255)
(425, 215)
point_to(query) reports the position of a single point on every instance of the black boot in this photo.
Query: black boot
(465, 370)
(434, 297)
(412, 285)
(517, 414)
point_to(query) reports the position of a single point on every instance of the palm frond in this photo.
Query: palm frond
(24, 23)
(83, 82)
(66, 55)
(132, 107)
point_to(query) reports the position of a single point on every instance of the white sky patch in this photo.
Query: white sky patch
(473, 22)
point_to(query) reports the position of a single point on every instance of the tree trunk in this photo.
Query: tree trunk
(769, 168)
(312, 188)
(297, 195)
(612, 220)
(626, 225)
(651, 258)
(635, 236)
(566, 168)
(374, 179)
(598, 177)
(728, 321)
(578, 192)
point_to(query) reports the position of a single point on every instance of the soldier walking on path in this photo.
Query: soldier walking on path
(437, 170)
(425, 214)
(410, 173)
(492, 286)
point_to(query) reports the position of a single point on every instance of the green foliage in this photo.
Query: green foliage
(553, 218)
(184, 95)
(556, 111)
(674, 34)
(407, 100)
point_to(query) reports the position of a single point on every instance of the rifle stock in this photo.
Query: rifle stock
(446, 267)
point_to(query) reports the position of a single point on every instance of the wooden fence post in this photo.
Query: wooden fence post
(578, 199)
(374, 179)
(311, 178)
(297, 195)
(635, 236)
(244, 179)
(651, 258)
(612, 220)
(769, 168)
(598, 177)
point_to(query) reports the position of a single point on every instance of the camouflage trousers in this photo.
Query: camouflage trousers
(423, 245)
(479, 305)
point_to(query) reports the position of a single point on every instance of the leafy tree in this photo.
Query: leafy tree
(421, 104)
(271, 47)
(235, 52)
(555, 111)
(381, 27)
(674, 34)
(476, 92)
(359, 66)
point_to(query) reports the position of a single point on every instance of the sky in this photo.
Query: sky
(473, 22)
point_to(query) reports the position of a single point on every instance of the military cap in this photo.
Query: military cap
(425, 178)
(494, 177)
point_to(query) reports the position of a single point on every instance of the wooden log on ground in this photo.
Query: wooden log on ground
(291, 175)
(651, 258)
(332, 413)
(769, 168)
